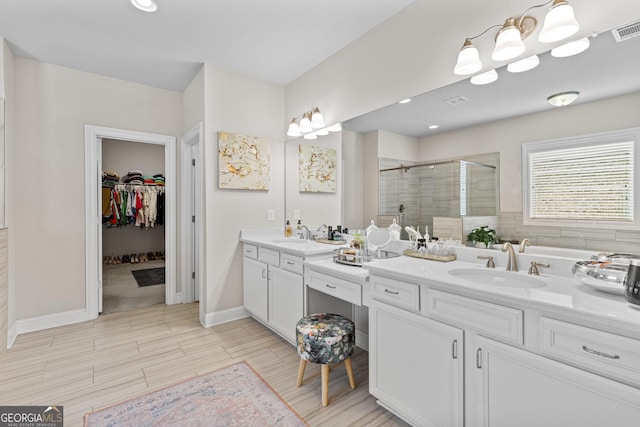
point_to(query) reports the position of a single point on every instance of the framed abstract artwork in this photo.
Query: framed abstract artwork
(244, 162)
(317, 169)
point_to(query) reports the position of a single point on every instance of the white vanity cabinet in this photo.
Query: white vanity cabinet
(514, 387)
(438, 357)
(273, 295)
(416, 366)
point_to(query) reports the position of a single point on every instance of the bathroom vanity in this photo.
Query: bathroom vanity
(456, 343)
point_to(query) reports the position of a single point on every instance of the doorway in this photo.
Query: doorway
(133, 245)
(94, 137)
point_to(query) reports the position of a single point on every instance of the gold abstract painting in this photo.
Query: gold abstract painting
(244, 162)
(317, 169)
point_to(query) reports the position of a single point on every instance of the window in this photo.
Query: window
(582, 181)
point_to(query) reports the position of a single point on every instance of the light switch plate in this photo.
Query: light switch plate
(296, 214)
(271, 214)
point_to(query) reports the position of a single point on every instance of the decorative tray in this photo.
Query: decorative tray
(331, 242)
(434, 257)
(357, 257)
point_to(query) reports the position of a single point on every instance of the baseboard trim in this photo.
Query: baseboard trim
(12, 335)
(362, 339)
(223, 316)
(50, 321)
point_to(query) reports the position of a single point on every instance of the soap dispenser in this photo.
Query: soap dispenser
(287, 229)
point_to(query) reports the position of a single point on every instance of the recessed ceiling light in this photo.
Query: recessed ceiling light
(434, 127)
(405, 101)
(145, 5)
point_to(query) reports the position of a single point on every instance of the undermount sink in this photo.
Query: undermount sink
(291, 240)
(497, 278)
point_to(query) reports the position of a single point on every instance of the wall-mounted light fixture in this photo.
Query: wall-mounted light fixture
(559, 24)
(145, 5)
(563, 98)
(310, 124)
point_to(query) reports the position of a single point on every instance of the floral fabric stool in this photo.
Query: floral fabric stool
(326, 339)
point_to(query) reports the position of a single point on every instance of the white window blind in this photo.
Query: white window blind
(585, 183)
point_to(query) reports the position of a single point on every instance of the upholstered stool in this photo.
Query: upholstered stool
(326, 339)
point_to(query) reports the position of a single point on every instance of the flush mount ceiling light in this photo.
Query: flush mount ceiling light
(145, 5)
(405, 101)
(310, 125)
(559, 23)
(563, 98)
(485, 78)
(571, 48)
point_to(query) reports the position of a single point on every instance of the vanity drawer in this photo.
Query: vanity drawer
(488, 319)
(394, 292)
(605, 353)
(292, 263)
(250, 251)
(269, 256)
(342, 289)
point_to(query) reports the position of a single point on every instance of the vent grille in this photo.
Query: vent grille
(457, 100)
(626, 32)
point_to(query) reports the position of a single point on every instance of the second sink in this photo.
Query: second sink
(497, 278)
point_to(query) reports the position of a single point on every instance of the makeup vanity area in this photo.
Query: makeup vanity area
(457, 343)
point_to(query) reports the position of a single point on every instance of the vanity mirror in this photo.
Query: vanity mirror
(513, 110)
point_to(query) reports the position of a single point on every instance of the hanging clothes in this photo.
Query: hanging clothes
(132, 204)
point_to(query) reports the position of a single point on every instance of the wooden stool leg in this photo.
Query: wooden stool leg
(325, 385)
(301, 366)
(352, 380)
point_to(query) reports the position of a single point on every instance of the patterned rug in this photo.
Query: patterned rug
(231, 396)
(149, 276)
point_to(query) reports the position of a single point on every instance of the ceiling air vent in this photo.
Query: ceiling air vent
(457, 100)
(626, 32)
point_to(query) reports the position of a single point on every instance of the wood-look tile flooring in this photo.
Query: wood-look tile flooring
(119, 356)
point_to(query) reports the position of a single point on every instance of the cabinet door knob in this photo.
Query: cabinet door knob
(454, 349)
(392, 292)
(264, 273)
(479, 358)
(329, 286)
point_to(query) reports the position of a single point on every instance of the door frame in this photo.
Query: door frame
(191, 148)
(93, 209)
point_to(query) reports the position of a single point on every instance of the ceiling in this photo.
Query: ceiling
(608, 68)
(271, 40)
(280, 40)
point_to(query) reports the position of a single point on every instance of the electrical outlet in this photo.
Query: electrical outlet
(296, 214)
(271, 214)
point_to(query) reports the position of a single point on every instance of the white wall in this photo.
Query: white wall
(395, 146)
(353, 176)
(47, 179)
(243, 105)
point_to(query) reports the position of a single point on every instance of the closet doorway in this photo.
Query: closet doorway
(112, 139)
(133, 245)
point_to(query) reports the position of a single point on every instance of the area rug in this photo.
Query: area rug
(231, 396)
(149, 276)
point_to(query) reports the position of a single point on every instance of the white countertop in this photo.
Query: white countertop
(560, 294)
(293, 245)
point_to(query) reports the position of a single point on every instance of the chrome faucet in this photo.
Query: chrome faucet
(525, 242)
(305, 233)
(512, 263)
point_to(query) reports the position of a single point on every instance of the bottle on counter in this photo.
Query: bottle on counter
(287, 229)
(299, 225)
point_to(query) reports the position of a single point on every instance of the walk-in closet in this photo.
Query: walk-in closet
(133, 215)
